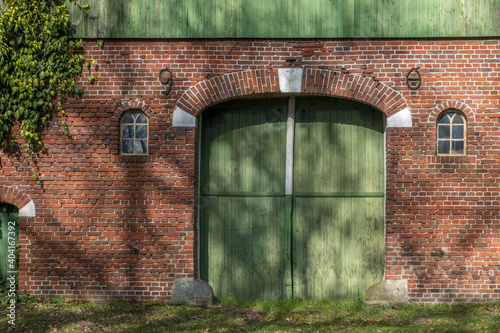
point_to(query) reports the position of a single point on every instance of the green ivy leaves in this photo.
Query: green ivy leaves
(38, 67)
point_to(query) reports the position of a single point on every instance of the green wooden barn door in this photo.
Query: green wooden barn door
(244, 248)
(8, 218)
(326, 240)
(338, 207)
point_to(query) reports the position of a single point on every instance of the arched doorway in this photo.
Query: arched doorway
(292, 198)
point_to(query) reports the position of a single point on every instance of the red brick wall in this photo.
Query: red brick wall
(94, 206)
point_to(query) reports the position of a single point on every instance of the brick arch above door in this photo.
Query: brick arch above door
(19, 199)
(292, 80)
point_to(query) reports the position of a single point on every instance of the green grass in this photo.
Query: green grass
(57, 315)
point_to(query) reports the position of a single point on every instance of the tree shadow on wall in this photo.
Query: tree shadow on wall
(243, 227)
(112, 227)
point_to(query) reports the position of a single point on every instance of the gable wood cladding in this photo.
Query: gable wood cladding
(110, 226)
(287, 19)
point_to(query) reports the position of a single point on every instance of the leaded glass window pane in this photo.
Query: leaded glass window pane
(128, 146)
(144, 144)
(444, 120)
(458, 132)
(140, 147)
(458, 147)
(444, 132)
(141, 131)
(128, 119)
(457, 119)
(127, 131)
(443, 147)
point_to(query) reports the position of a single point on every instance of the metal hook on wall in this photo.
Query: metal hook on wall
(167, 78)
(414, 81)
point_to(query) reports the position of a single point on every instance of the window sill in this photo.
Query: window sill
(133, 158)
(452, 159)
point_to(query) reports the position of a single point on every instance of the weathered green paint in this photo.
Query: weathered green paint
(287, 19)
(243, 239)
(8, 213)
(338, 218)
(241, 194)
(326, 240)
(339, 194)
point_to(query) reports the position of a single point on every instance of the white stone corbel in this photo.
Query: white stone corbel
(183, 119)
(400, 119)
(27, 210)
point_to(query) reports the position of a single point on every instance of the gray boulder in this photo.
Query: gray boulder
(191, 292)
(393, 293)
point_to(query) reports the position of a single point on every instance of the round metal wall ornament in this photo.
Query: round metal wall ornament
(413, 79)
(167, 78)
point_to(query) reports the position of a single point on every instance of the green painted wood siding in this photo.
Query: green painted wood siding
(243, 241)
(324, 241)
(287, 18)
(8, 213)
(338, 207)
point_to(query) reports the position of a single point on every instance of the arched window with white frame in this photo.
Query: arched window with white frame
(451, 133)
(134, 133)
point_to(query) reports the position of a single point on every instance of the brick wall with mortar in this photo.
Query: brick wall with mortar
(110, 226)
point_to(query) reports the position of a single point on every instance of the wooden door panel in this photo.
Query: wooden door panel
(331, 230)
(337, 247)
(338, 206)
(244, 248)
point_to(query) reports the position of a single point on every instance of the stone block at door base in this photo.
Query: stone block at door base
(191, 292)
(393, 293)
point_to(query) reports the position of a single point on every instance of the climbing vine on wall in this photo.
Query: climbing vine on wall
(39, 65)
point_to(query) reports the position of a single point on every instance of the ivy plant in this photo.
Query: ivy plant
(39, 67)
